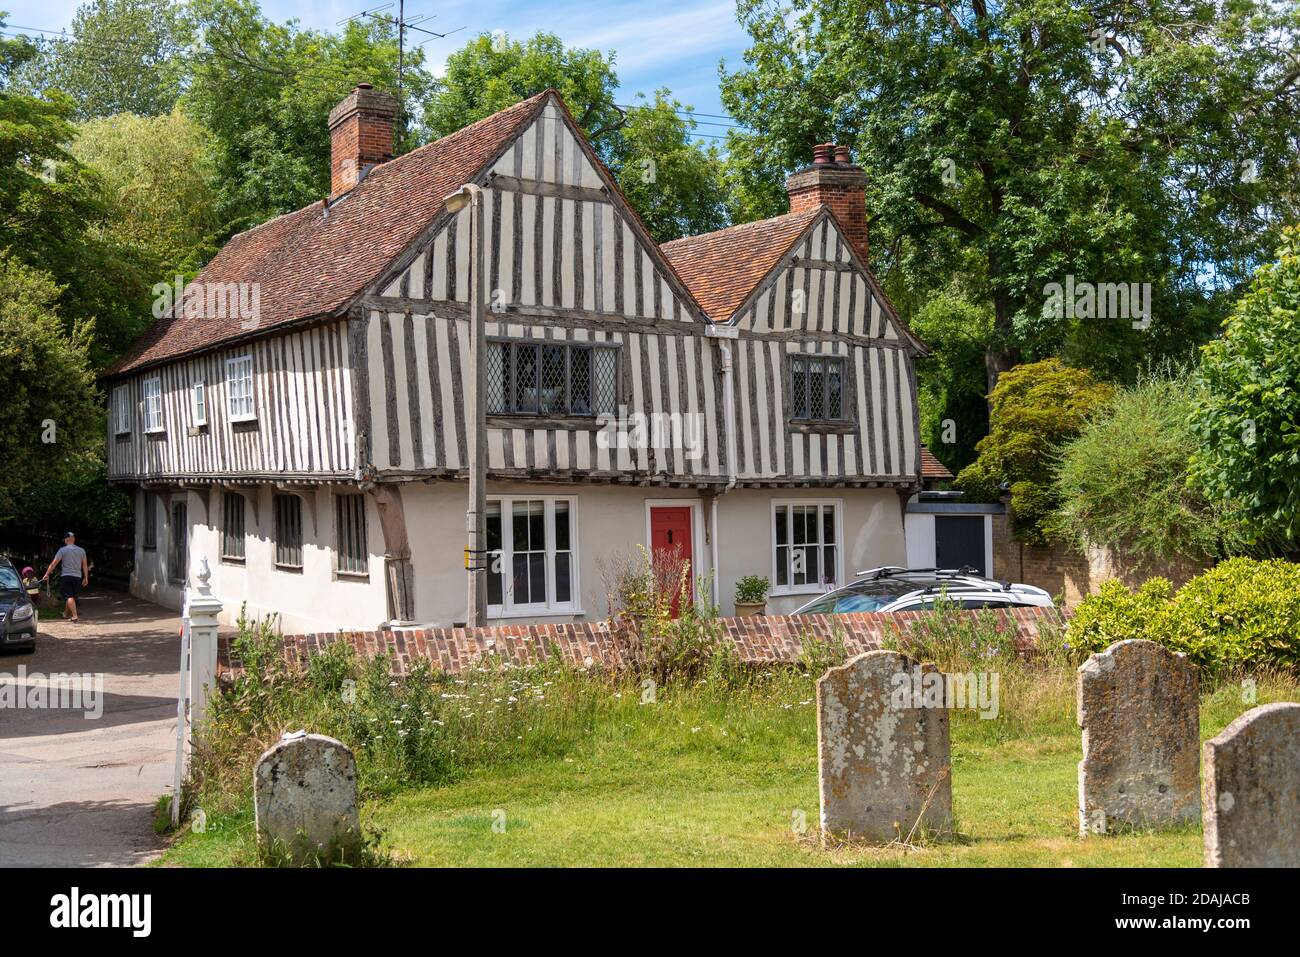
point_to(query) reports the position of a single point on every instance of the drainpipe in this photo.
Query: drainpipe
(723, 335)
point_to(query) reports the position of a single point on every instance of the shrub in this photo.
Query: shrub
(1033, 411)
(752, 589)
(1122, 482)
(1241, 614)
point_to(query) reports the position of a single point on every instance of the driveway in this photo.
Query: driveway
(78, 791)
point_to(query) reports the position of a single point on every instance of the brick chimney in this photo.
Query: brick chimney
(832, 180)
(361, 136)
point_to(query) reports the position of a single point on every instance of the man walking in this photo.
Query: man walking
(73, 576)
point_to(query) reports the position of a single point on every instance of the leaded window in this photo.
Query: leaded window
(551, 379)
(817, 387)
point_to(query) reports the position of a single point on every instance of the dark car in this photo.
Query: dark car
(17, 613)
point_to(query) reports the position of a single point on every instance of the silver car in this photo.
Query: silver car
(892, 588)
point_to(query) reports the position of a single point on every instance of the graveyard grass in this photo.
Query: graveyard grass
(715, 772)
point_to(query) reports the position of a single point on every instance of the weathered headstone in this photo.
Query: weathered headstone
(305, 799)
(883, 758)
(1252, 790)
(1139, 711)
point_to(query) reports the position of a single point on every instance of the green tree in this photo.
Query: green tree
(950, 381)
(122, 56)
(162, 200)
(1122, 482)
(1017, 143)
(51, 413)
(1247, 421)
(1033, 411)
(492, 72)
(265, 91)
(674, 183)
(53, 210)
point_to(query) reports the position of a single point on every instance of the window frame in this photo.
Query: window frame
(278, 531)
(199, 402)
(349, 574)
(240, 362)
(228, 535)
(178, 542)
(821, 587)
(508, 608)
(514, 345)
(122, 410)
(145, 395)
(797, 415)
(149, 538)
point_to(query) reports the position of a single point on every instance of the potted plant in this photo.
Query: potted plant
(751, 596)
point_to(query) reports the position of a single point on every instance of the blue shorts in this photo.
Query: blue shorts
(70, 586)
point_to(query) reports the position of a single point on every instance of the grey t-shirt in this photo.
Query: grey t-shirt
(73, 558)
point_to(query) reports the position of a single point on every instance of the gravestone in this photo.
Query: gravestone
(305, 799)
(882, 757)
(1252, 790)
(1139, 711)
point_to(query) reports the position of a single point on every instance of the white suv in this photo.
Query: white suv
(892, 588)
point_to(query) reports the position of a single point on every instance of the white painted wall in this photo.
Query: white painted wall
(611, 522)
(871, 528)
(920, 541)
(313, 599)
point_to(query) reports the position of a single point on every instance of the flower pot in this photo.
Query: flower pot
(747, 609)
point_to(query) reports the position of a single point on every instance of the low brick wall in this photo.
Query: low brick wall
(765, 640)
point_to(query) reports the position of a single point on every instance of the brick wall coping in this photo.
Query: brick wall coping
(760, 640)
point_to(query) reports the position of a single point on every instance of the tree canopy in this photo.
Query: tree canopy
(673, 182)
(1022, 142)
(1247, 419)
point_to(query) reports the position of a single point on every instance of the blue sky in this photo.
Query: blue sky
(673, 43)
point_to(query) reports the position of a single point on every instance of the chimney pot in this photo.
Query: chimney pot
(837, 184)
(361, 136)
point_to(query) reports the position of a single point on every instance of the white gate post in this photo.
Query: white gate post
(204, 609)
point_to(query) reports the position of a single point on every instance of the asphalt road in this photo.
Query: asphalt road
(78, 791)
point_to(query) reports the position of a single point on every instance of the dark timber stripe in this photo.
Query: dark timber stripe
(598, 255)
(390, 393)
(458, 376)
(413, 390)
(579, 279)
(772, 433)
(619, 278)
(494, 277)
(451, 257)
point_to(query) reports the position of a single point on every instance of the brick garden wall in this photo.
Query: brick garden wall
(1070, 575)
(758, 641)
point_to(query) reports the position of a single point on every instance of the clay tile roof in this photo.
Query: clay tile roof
(932, 468)
(315, 261)
(722, 268)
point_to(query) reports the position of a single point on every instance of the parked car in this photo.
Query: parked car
(17, 613)
(892, 588)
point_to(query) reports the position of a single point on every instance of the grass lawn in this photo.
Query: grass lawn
(720, 776)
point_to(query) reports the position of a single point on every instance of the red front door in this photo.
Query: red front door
(670, 541)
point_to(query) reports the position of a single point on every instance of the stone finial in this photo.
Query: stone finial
(1139, 708)
(203, 577)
